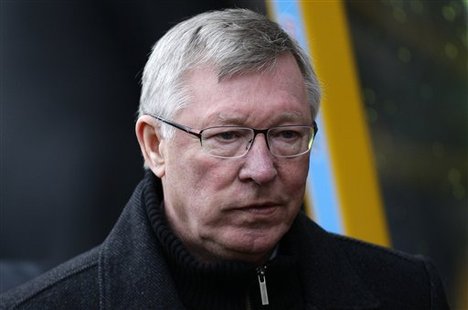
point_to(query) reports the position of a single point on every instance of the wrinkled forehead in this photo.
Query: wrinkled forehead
(278, 89)
(219, 75)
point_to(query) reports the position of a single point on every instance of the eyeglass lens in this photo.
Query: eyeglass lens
(286, 141)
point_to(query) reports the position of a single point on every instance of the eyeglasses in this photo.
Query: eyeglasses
(236, 141)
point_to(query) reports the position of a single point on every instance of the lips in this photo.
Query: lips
(260, 209)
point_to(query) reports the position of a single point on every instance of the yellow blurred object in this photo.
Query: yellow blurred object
(345, 125)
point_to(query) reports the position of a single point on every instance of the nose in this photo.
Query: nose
(259, 165)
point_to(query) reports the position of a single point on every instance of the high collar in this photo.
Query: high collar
(132, 263)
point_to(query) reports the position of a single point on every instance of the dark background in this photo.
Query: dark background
(70, 86)
(69, 91)
(412, 62)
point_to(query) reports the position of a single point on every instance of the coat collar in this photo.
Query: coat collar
(330, 281)
(133, 273)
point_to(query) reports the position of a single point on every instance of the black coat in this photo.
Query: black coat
(128, 271)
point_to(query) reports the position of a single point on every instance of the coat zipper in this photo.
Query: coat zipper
(262, 284)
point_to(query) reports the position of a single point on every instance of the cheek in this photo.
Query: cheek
(294, 173)
(200, 180)
(204, 187)
(293, 184)
(212, 174)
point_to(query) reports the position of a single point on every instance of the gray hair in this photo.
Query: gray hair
(233, 41)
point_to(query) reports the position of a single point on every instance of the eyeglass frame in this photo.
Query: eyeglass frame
(256, 131)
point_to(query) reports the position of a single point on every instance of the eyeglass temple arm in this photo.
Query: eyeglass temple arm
(178, 126)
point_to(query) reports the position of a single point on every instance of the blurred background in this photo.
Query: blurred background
(69, 91)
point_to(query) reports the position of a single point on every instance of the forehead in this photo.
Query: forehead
(276, 94)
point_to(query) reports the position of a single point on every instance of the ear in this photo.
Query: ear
(151, 144)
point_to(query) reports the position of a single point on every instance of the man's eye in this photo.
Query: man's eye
(287, 134)
(227, 135)
(224, 136)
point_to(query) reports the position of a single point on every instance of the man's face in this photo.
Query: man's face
(236, 208)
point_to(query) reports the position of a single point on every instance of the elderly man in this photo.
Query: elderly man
(225, 126)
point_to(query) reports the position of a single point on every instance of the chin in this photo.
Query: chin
(257, 244)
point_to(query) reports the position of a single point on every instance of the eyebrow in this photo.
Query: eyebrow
(240, 119)
(237, 119)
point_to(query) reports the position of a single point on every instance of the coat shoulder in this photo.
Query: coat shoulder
(388, 272)
(71, 285)
(363, 250)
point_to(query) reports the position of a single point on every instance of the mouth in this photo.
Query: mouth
(259, 209)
